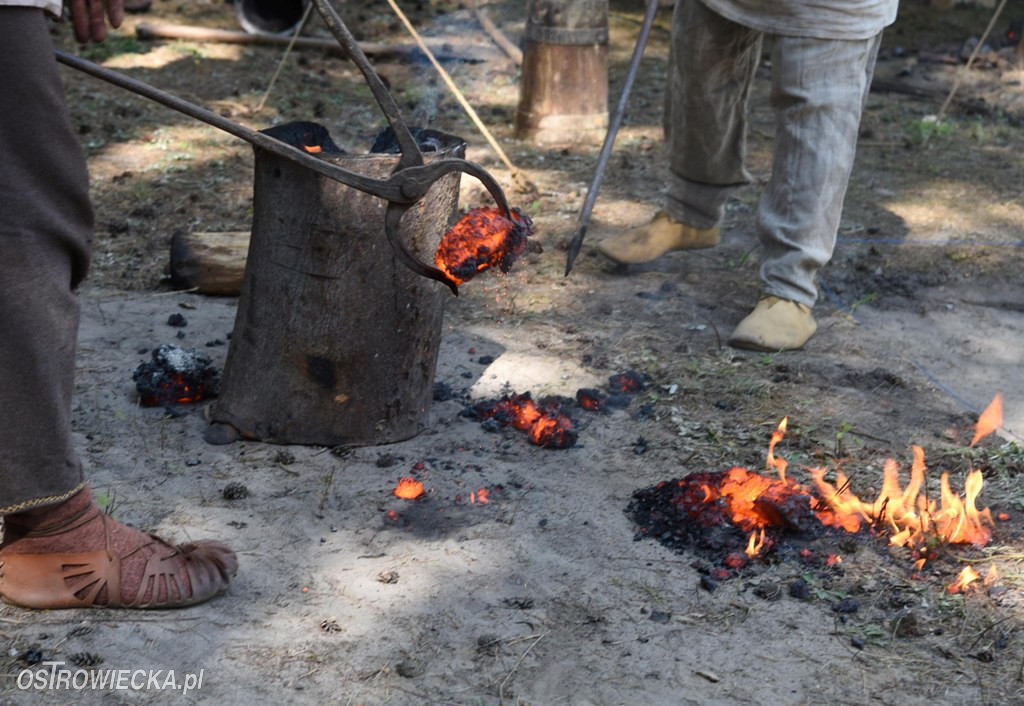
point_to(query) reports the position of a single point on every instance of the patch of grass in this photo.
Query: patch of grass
(113, 46)
(866, 299)
(190, 50)
(922, 130)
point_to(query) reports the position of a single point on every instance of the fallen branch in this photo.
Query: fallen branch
(499, 37)
(975, 106)
(377, 49)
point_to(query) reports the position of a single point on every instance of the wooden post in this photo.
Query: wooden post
(563, 91)
(335, 341)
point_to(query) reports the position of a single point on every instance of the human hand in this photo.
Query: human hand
(87, 16)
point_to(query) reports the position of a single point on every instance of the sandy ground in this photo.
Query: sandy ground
(542, 595)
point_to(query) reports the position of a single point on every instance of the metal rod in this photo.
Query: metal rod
(376, 187)
(609, 138)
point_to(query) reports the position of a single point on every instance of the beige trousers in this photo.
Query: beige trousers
(819, 87)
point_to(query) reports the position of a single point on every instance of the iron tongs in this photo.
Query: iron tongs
(406, 186)
(412, 177)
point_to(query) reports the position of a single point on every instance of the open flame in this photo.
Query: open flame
(313, 149)
(762, 506)
(963, 581)
(755, 543)
(969, 575)
(779, 464)
(408, 488)
(482, 239)
(990, 420)
(912, 516)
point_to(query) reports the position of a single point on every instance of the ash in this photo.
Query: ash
(176, 376)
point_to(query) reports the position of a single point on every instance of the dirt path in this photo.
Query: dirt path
(542, 595)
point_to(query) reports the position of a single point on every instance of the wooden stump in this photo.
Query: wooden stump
(335, 341)
(563, 91)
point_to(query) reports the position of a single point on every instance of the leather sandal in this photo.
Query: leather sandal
(93, 579)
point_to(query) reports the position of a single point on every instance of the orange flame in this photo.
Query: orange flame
(408, 488)
(543, 422)
(755, 543)
(313, 149)
(967, 576)
(174, 388)
(777, 463)
(990, 420)
(833, 559)
(909, 513)
(482, 239)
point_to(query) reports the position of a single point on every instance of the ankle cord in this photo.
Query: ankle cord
(80, 518)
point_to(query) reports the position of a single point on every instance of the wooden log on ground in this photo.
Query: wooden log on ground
(335, 341)
(563, 91)
(444, 49)
(209, 263)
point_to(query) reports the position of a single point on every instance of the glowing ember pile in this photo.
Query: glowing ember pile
(628, 382)
(176, 376)
(738, 509)
(622, 387)
(592, 400)
(543, 421)
(408, 489)
(482, 239)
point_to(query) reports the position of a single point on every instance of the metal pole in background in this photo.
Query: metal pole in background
(609, 138)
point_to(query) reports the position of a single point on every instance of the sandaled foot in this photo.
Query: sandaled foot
(662, 235)
(78, 557)
(774, 325)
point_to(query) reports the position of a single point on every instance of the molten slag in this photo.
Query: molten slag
(482, 239)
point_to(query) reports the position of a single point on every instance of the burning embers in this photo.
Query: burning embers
(543, 421)
(176, 376)
(408, 489)
(740, 510)
(482, 239)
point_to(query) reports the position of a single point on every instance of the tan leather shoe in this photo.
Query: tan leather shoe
(649, 242)
(774, 325)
